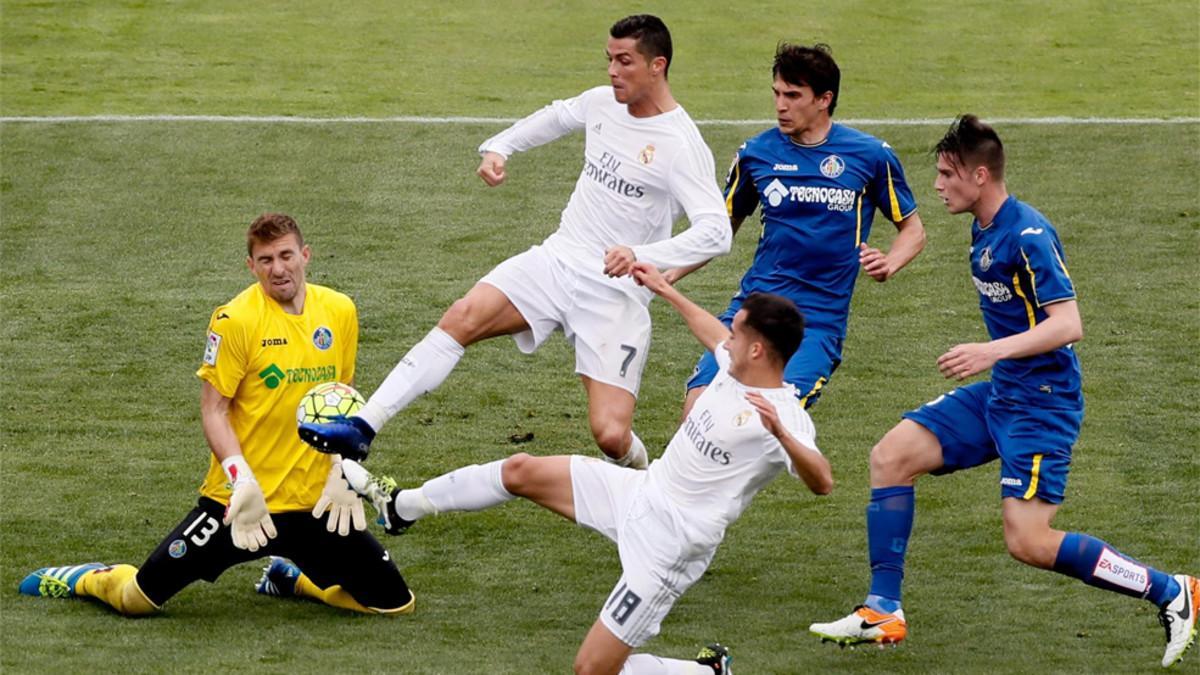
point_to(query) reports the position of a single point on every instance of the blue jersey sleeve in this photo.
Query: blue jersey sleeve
(741, 197)
(1046, 266)
(889, 189)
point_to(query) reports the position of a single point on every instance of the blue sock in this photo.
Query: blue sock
(1095, 563)
(889, 524)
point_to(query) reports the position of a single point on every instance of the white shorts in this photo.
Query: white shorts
(606, 320)
(658, 563)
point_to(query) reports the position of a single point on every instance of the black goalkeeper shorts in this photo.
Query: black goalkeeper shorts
(200, 547)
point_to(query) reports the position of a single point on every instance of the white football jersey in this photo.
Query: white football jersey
(722, 455)
(639, 176)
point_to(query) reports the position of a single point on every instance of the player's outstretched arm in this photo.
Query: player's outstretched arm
(249, 522)
(674, 274)
(543, 126)
(707, 329)
(811, 466)
(1062, 327)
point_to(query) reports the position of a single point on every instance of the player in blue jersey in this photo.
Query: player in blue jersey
(818, 184)
(1028, 416)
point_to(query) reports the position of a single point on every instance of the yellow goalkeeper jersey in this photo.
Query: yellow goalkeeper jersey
(265, 360)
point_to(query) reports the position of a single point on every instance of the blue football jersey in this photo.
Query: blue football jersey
(1018, 266)
(817, 204)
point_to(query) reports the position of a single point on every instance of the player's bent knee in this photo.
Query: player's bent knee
(1018, 547)
(887, 462)
(1029, 545)
(905, 453)
(516, 472)
(461, 320)
(612, 439)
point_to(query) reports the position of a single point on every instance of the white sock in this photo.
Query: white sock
(412, 505)
(471, 488)
(649, 664)
(422, 369)
(635, 457)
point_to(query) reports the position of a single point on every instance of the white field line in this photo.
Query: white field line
(407, 119)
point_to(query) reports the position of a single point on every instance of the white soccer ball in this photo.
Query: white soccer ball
(325, 401)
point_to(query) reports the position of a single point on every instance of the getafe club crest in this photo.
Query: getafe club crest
(646, 155)
(985, 259)
(323, 338)
(832, 166)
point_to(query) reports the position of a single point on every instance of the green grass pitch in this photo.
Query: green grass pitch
(118, 238)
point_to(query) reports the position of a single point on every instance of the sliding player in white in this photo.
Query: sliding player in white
(645, 165)
(667, 522)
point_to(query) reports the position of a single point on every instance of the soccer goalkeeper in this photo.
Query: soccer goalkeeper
(266, 491)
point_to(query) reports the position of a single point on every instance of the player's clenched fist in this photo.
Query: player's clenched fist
(618, 261)
(875, 263)
(491, 169)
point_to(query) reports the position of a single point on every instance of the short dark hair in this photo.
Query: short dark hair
(808, 67)
(777, 320)
(271, 226)
(653, 38)
(971, 143)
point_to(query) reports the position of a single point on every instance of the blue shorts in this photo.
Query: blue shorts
(1033, 444)
(808, 370)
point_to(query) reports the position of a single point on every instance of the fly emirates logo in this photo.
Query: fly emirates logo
(697, 430)
(605, 173)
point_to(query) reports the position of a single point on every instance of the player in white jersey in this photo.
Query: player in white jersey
(645, 165)
(667, 522)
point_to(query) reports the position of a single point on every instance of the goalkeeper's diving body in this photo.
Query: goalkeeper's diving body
(266, 492)
(667, 521)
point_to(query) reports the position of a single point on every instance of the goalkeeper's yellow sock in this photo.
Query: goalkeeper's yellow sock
(117, 587)
(336, 596)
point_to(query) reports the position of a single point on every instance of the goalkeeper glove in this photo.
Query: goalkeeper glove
(343, 504)
(247, 516)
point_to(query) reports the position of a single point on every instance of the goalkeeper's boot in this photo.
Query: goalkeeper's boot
(1178, 617)
(381, 492)
(716, 657)
(279, 578)
(56, 582)
(349, 437)
(863, 625)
